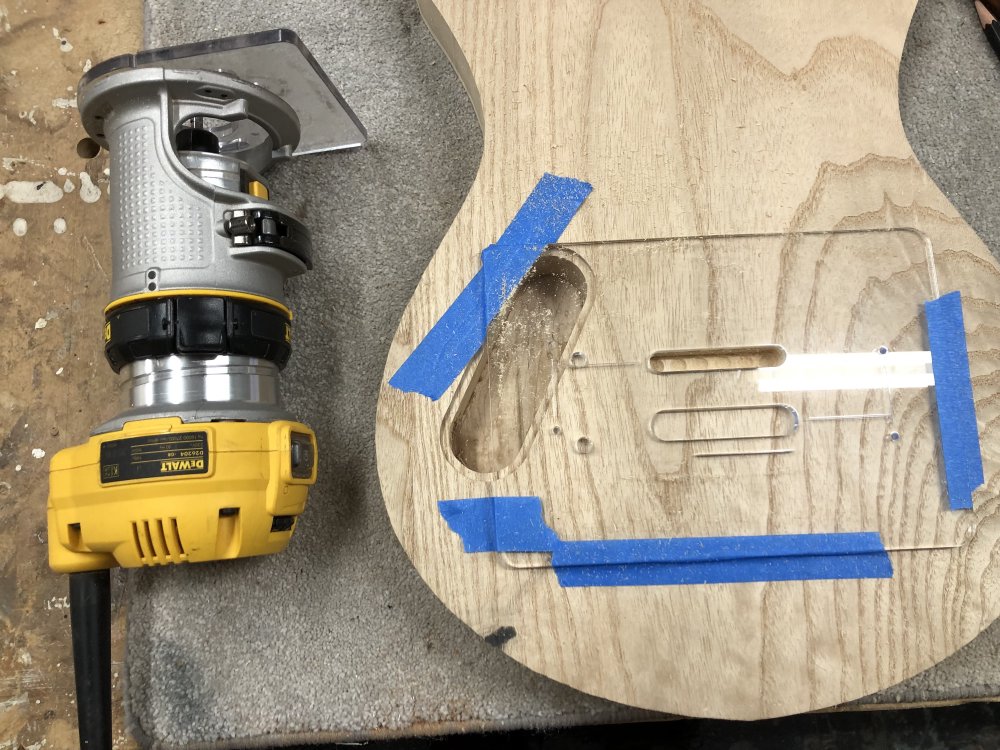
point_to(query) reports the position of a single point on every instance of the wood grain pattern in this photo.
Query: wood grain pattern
(700, 121)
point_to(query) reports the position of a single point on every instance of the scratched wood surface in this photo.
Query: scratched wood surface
(695, 119)
(54, 383)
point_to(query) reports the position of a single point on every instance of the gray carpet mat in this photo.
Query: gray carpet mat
(338, 638)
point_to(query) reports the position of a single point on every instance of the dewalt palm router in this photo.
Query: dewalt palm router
(202, 463)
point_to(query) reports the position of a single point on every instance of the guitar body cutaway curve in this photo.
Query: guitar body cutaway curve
(686, 397)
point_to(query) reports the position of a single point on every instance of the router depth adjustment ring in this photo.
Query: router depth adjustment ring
(196, 325)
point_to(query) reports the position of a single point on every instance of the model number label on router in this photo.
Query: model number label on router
(150, 456)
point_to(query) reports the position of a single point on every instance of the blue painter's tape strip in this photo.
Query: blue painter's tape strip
(716, 549)
(963, 461)
(481, 521)
(461, 331)
(516, 524)
(757, 570)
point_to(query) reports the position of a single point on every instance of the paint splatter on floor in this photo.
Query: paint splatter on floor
(89, 192)
(31, 191)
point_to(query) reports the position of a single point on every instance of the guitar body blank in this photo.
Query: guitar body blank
(758, 226)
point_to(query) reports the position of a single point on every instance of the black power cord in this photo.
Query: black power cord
(90, 619)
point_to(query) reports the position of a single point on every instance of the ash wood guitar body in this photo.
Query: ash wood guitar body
(754, 197)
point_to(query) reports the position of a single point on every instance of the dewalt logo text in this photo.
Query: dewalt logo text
(169, 467)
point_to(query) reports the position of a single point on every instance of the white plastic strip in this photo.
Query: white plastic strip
(848, 372)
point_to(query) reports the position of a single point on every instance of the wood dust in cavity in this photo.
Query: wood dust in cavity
(524, 347)
(526, 329)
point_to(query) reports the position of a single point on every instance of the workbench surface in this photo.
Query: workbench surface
(54, 384)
